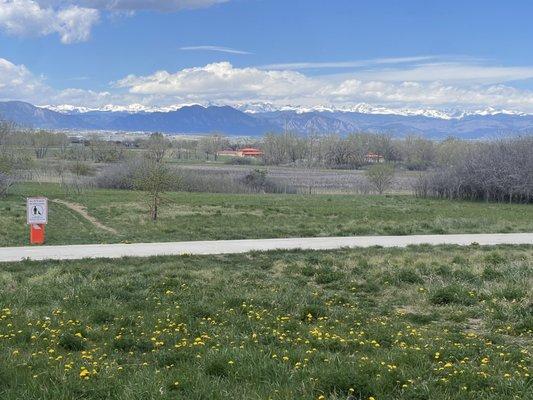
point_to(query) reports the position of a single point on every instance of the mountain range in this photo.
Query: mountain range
(255, 120)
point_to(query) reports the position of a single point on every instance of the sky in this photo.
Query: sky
(400, 54)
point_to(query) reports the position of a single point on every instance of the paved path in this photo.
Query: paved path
(76, 252)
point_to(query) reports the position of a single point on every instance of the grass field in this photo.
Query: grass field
(197, 216)
(418, 323)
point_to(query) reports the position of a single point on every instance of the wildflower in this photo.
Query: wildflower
(84, 374)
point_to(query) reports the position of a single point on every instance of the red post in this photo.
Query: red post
(37, 233)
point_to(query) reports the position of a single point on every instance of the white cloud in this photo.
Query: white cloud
(434, 94)
(22, 17)
(75, 23)
(450, 72)
(17, 82)
(29, 18)
(214, 48)
(449, 69)
(347, 64)
(73, 20)
(222, 83)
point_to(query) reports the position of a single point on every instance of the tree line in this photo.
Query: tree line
(499, 170)
(491, 170)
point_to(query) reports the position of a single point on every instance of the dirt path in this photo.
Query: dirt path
(78, 208)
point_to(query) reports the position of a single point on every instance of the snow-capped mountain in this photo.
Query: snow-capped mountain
(258, 107)
(131, 108)
(260, 118)
(365, 108)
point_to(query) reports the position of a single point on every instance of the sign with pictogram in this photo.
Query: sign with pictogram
(36, 210)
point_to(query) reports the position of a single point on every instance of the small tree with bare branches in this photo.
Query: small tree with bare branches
(153, 176)
(380, 176)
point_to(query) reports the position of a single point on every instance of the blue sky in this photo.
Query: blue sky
(452, 54)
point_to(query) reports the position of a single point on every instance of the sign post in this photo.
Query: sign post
(37, 218)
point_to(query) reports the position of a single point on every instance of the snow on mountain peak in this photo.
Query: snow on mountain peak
(131, 108)
(264, 107)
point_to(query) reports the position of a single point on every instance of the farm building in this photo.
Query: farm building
(251, 152)
(374, 158)
(246, 152)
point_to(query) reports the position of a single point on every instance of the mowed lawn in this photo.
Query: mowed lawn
(417, 323)
(202, 216)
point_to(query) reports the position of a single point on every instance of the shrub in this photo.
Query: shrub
(81, 169)
(258, 181)
(452, 294)
(380, 177)
(118, 176)
(327, 275)
(6, 182)
(224, 182)
(493, 171)
(130, 175)
(409, 275)
(196, 181)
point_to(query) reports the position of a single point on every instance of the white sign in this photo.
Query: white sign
(37, 210)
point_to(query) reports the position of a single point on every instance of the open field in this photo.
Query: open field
(418, 323)
(202, 216)
(312, 180)
(299, 179)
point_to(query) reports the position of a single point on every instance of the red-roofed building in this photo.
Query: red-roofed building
(246, 152)
(372, 158)
(251, 152)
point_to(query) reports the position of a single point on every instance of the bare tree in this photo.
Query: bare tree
(186, 149)
(6, 182)
(42, 141)
(157, 147)
(417, 152)
(286, 148)
(380, 176)
(102, 151)
(211, 145)
(500, 171)
(154, 178)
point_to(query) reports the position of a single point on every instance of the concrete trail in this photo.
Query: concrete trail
(76, 252)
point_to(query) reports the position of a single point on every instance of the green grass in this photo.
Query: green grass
(198, 216)
(418, 323)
